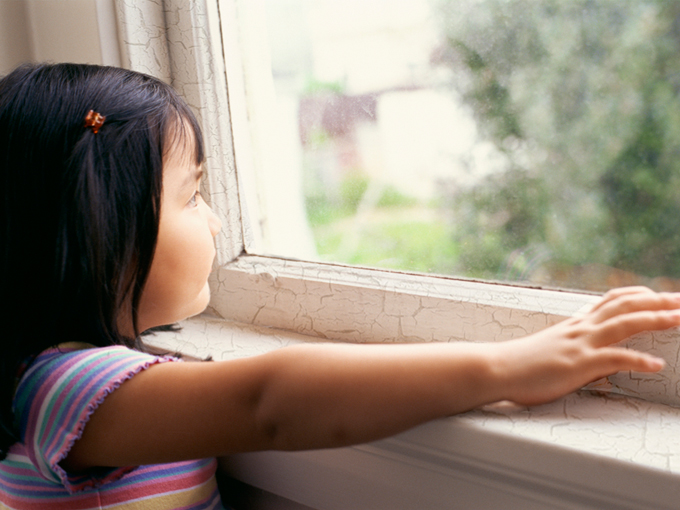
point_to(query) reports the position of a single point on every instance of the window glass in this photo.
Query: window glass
(529, 141)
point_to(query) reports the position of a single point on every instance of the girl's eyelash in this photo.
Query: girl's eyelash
(194, 198)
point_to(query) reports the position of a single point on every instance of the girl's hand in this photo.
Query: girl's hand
(551, 363)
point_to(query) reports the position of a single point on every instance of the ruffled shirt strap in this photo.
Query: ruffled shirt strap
(56, 396)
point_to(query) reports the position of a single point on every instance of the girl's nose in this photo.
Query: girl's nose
(214, 223)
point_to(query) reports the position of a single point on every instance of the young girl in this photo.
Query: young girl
(104, 235)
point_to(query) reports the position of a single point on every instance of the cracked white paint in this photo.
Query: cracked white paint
(357, 305)
(614, 426)
(206, 336)
(199, 75)
(362, 306)
(609, 425)
(144, 41)
(180, 42)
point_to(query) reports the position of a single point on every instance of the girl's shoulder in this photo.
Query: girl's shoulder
(78, 358)
(78, 370)
(66, 351)
(60, 390)
(84, 355)
(69, 347)
(51, 353)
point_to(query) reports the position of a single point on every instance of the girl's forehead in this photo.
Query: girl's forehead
(181, 145)
(181, 166)
(182, 155)
(180, 174)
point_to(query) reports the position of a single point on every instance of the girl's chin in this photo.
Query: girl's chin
(201, 302)
(163, 312)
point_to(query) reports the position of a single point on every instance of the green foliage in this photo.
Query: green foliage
(324, 207)
(314, 86)
(582, 96)
(423, 246)
(328, 205)
(642, 194)
(352, 188)
(505, 214)
(388, 242)
(412, 239)
(392, 197)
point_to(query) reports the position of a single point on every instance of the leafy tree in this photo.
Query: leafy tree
(582, 97)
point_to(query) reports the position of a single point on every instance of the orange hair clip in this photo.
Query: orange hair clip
(94, 120)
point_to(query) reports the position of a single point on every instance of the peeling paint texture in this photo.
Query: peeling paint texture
(263, 303)
(357, 305)
(179, 42)
(614, 426)
(606, 425)
(206, 336)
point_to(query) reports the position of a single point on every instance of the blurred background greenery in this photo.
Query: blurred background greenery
(532, 141)
(589, 89)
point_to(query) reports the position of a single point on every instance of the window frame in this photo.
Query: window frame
(185, 44)
(191, 56)
(193, 47)
(323, 299)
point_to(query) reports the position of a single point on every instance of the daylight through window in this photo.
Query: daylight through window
(520, 141)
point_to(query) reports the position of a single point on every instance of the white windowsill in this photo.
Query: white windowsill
(351, 304)
(583, 451)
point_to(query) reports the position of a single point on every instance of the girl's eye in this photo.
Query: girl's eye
(194, 200)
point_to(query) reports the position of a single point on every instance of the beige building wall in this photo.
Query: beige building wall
(57, 31)
(15, 42)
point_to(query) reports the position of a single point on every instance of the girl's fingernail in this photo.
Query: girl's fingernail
(656, 363)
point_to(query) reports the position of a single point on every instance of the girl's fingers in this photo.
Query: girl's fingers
(631, 302)
(620, 292)
(620, 327)
(610, 360)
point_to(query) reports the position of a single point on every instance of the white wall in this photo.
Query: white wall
(15, 45)
(57, 31)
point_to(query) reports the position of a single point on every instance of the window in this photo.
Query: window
(330, 300)
(323, 299)
(196, 50)
(508, 140)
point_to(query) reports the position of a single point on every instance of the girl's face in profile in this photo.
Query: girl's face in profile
(177, 286)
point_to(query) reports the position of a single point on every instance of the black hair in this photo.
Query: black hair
(80, 210)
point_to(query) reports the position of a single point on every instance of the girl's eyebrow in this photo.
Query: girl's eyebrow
(192, 177)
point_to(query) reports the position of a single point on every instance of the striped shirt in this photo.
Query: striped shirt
(55, 398)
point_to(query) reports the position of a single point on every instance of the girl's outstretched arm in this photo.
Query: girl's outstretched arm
(326, 395)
